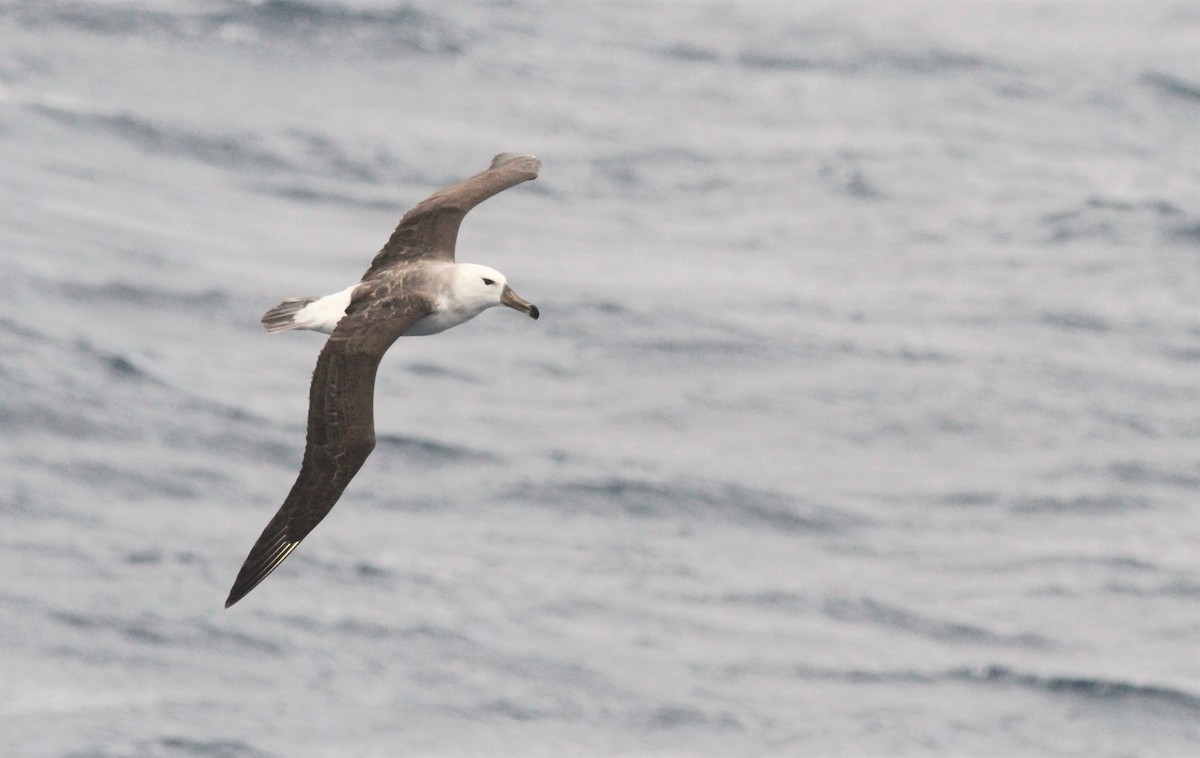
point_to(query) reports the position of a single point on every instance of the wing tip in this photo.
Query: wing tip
(240, 589)
(246, 582)
(236, 594)
(504, 159)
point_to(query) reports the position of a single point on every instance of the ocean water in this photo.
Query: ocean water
(863, 415)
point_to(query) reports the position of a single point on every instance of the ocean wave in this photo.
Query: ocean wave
(52, 388)
(434, 370)
(1084, 504)
(970, 498)
(694, 499)
(1086, 687)
(188, 746)
(414, 634)
(243, 151)
(143, 296)
(132, 482)
(666, 336)
(1138, 472)
(1117, 561)
(681, 716)
(779, 600)
(117, 365)
(1188, 233)
(510, 708)
(1179, 587)
(74, 389)
(400, 29)
(930, 61)
(308, 194)
(1089, 688)
(201, 425)
(267, 156)
(429, 452)
(662, 169)
(894, 617)
(690, 53)
(871, 611)
(150, 630)
(52, 417)
(1076, 321)
(845, 175)
(1172, 85)
(1113, 219)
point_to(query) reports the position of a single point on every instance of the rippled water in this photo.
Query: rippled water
(862, 417)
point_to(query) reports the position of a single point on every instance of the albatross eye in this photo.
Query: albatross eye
(487, 281)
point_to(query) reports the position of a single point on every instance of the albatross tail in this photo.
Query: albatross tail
(320, 314)
(283, 316)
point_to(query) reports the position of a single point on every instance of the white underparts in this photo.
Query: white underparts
(444, 316)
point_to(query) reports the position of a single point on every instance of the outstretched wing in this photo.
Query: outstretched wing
(430, 229)
(341, 434)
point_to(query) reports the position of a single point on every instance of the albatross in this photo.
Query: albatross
(413, 287)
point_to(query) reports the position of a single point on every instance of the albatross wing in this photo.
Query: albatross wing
(430, 229)
(341, 434)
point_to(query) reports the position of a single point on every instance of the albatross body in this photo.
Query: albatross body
(414, 287)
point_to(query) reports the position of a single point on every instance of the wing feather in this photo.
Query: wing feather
(430, 229)
(341, 434)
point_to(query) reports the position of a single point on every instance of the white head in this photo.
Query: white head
(478, 288)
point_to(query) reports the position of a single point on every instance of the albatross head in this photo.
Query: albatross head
(479, 287)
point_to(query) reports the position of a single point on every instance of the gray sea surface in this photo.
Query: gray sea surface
(862, 418)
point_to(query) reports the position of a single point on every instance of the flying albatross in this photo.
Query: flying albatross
(413, 287)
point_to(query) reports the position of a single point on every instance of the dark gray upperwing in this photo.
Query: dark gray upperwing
(430, 230)
(341, 433)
